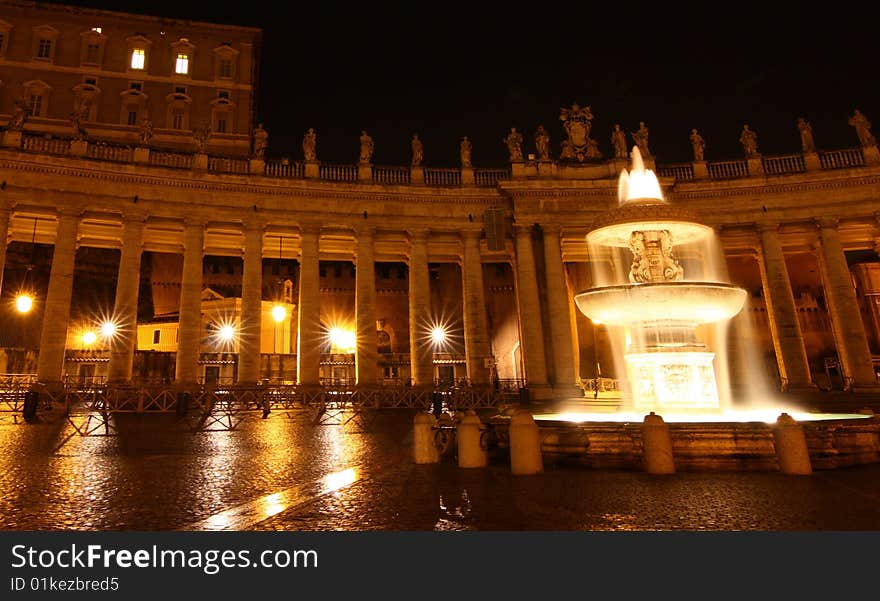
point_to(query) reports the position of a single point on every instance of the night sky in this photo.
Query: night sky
(445, 70)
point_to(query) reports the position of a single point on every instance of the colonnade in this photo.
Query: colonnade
(548, 369)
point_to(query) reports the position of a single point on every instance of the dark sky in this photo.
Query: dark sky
(446, 70)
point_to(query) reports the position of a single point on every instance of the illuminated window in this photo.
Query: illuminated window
(181, 66)
(97, 30)
(137, 58)
(44, 50)
(177, 121)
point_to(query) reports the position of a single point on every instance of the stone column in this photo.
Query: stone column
(476, 331)
(367, 356)
(560, 314)
(189, 336)
(5, 215)
(251, 328)
(531, 329)
(124, 342)
(843, 306)
(53, 337)
(785, 329)
(420, 351)
(309, 338)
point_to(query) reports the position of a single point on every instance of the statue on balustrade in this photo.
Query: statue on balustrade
(542, 144)
(749, 140)
(146, 133)
(577, 124)
(640, 137)
(863, 129)
(310, 145)
(417, 151)
(698, 144)
(807, 144)
(261, 142)
(366, 148)
(618, 142)
(465, 150)
(514, 141)
(77, 118)
(201, 135)
(19, 115)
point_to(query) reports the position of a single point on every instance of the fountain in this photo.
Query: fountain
(661, 289)
(668, 367)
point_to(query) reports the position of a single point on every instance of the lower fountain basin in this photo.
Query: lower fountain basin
(716, 442)
(675, 302)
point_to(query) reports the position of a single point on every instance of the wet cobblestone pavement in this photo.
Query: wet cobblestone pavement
(157, 475)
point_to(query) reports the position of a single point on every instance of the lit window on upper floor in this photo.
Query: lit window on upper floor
(137, 58)
(181, 66)
(36, 104)
(44, 50)
(97, 30)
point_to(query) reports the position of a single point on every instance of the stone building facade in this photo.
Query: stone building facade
(124, 70)
(491, 258)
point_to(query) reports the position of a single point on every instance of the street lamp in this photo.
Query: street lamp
(24, 302)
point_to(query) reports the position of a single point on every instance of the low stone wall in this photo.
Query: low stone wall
(703, 446)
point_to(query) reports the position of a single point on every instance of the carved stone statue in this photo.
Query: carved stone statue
(653, 260)
(576, 122)
(749, 141)
(514, 141)
(863, 129)
(542, 143)
(78, 117)
(807, 144)
(618, 142)
(698, 144)
(640, 137)
(146, 133)
(20, 115)
(417, 151)
(465, 150)
(366, 148)
(310, 145)
(261, 142)
(201, 135)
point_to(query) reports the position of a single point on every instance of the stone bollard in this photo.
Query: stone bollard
(471, 447)
(424, 447)
(657, 446)
(525, 445)
(791, 446)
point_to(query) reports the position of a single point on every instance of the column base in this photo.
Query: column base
(564, 392)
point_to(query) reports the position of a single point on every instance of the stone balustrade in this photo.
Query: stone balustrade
(728, 169)
(842, 159)
(442, 177)
(779, 165)
(391, 175)
(431, 176)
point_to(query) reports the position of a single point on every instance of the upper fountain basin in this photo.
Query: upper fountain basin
(615, 227)
(676, 302)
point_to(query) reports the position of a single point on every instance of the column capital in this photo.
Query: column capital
(523, 230)
(827, 222)
(253, 225)
(364, 231)
(135, 217)
(310, 228)
(70, 212)
(190, 223)
(552, 229)
(419, 234)
(767, 226)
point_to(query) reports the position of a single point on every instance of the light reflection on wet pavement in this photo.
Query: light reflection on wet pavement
(284, 473)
